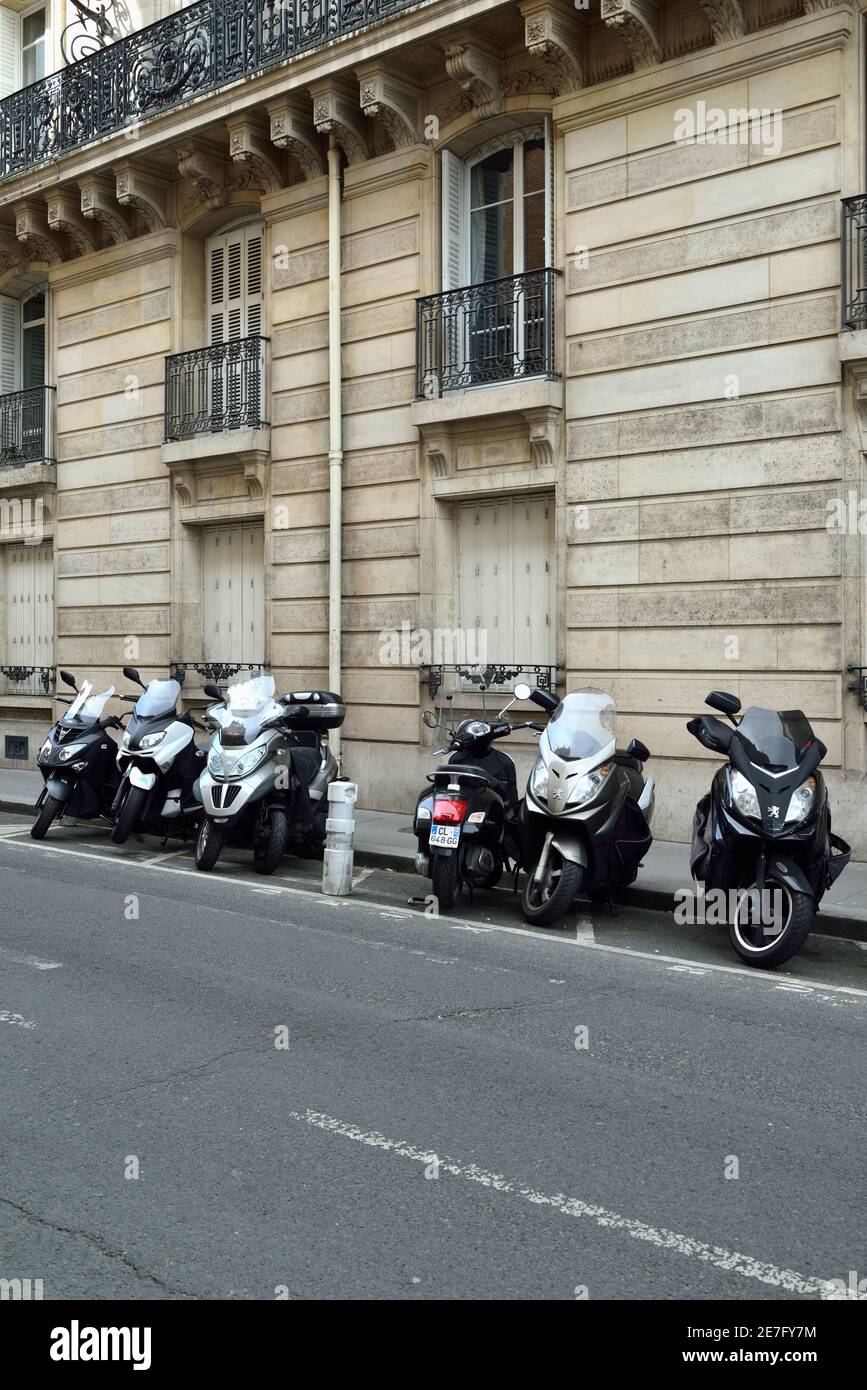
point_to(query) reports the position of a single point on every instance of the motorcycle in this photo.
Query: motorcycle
(587, 811)
(267, 774)
(159, 765)
(467, 825)
(762, 834)
(77, 760)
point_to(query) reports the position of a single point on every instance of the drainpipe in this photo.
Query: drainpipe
(335, 435)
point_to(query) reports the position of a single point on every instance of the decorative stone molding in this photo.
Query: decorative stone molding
(478, 71)
(249, 146)
(396, 103)
(255, 462)
(552, 33)
(439, 450)
(336, 112)
(64, 215)
(99, 204)
(134, 189)
(639, 23)
(727, 18)
(206, 171)
(816, 6)
(31, 228)
(544, 425)
(292, 130)
(12, 257)
(185, 485)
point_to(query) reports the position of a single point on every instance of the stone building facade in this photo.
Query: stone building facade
(595, 409)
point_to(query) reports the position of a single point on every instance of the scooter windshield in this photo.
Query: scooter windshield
(776, 739)
(159, 698)
(583, 723)
(249, 705)
(87, 708)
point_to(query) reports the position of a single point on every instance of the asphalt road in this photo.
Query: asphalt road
(352, 1100)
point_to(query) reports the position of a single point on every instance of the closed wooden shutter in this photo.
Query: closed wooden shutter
(505, 576)
(454, 237)
(235, 284)
(29, 609)
(233, 593)
(10, 351)
(10, 53)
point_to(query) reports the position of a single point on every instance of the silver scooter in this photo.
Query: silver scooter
(159, 765)
(267, 775)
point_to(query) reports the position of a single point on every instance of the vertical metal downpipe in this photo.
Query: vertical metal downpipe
(335, 436)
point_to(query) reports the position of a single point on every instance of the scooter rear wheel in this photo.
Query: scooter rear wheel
(444, 880)
(47, 812)
(756, 948)
(547, 902)
(209, 843)
(129, 815)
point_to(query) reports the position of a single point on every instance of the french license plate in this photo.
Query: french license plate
(445, 836)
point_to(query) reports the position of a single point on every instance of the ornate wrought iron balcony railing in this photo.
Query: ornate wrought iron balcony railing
(195, 51)
(213, 389)
(501, 330)
(853, 262)
(27, 680)
(27, 427)
(498, 677)
(218, 672)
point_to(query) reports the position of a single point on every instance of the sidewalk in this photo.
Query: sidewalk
(385, 840)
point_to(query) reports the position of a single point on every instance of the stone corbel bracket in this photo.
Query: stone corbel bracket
(439, 450)
(478, 71)
(147, 195)
(336, 112)
(552, 33)
(292, 130)
(545, 427)
(99, 204)
(32, 230)
(726, 18)
(249, 145)
(396, 103)
(255, 463)
(185, 485)
(205, 170)
(639, 23)
(64, 215)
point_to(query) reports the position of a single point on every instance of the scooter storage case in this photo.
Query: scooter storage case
(325, 710)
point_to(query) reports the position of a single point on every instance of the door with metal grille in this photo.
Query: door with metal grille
(233, 593)
(505, 550)
(29, 617)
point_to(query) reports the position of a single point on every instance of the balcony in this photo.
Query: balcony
(499, 331)
(198, 50)
(27, 440)
(853, 263)
(216, 389)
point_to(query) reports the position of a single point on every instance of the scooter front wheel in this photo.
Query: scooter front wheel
(444, 880)
(47, 812)
(767, 943)
(547, 902)
(269, 850)
(129, 815)
(209, 843)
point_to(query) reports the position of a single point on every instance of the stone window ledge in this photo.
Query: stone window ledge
(506, 398)
(247, 451)
(30, 477)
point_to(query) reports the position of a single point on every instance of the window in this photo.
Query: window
(32, 46)
(23, 40)
(505, 577)
(22, 342)
(233, 593)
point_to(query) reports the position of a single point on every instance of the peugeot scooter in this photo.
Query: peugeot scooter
(159, 764)
(587, 812)
(77, 760)
(763, 832)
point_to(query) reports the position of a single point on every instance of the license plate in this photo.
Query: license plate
(445, 836)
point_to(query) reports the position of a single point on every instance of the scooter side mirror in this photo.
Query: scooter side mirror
(638, 750)
(132, 675)
(726, 704)
(522, 691)
(430, 719)
(711, 733)
(68, 679)
(213, 692)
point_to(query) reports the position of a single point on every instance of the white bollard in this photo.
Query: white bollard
(340, 829)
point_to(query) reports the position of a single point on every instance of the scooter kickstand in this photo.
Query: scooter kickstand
(610, 903)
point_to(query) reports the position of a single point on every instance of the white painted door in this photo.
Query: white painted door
(29, 610)
(233, 593)
(505, 553)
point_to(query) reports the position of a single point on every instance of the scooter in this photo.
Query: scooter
(763, 832)
(467, 826)
(268, 771)
(587, 811)
(77, 760)
(159, 765)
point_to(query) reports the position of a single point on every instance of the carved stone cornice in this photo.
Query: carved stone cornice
(396, 103)
(99, 204)
(148, 195)
(726, 18)
(12, 257)
(336, 112)
(478, 71)
(32, 230)
(205, 170)
(816, 6)
(249, 145)
(552, 33)
(639, 23)
(64, 215)
(292, 130)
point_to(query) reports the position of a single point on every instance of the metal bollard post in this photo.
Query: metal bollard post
(340, 829)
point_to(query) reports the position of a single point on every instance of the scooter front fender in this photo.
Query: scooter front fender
(785, 871)
(571, 847)
(60, 789)
(145, 780)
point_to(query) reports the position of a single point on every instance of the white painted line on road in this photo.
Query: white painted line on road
(168, 854)
(732, 1261)
(795, 989)
(688, 969)
(34, 961)
(18, 1019)
(14, 830)
(760, 978)
(361, 876)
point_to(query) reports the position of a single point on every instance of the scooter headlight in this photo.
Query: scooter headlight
(215, 761)
(249, 760)
(70, 751)
(744, 796)
(151, 740)
(539, 780)
(586, 787)
(125, 741)
(45, 749)
(802, 802)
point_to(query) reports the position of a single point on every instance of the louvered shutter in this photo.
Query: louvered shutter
(235, 284)
(454, 237)
(10, 354)
(29, 609)
(233, 593)
(10, 53)
(505, 576)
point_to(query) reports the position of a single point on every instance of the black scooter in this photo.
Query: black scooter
(467, 826)
(77, 760)
(762, 835)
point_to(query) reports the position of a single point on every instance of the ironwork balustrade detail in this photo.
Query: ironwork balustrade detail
(217, 672)
(853, 262)
(26, 427)
(218, 388)
(197, 50)
(500, 330)
(488, 677)
(35, 678)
